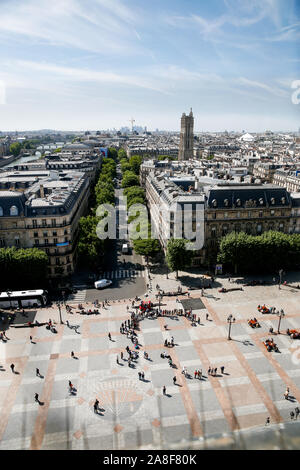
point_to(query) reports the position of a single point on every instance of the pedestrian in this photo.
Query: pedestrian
(143, 375)
(30, 337)
(202, 292)
(267, 421)
(96, 405)
(12, 366)
(292, 415)
(207, 316)
(36, 397)
(222, 370)
(215, 371)
(140, 375)
(195, 373)
(297, 412)
(72, 354)
(200, 374)
(286, 394)
(109, 336)
(209, 371)
(70, 386)
(164, 390)
(122, 355)
(174, 380)
(117, 359)
(37, 372)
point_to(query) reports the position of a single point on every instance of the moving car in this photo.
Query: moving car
(102, 283)
(125, 248)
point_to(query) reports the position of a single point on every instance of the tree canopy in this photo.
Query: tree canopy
(129, 179)
(177, 256)
(263, 253)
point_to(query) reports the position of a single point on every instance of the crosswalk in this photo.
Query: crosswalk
(77, 298)
(122, 273)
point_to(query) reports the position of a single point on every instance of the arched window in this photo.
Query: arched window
(1, 211)
(14, 210)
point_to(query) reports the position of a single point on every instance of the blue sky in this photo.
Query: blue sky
(94, 64)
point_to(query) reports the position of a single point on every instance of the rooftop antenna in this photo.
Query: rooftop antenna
(132, 122)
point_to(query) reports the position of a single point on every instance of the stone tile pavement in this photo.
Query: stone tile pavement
(135, 413)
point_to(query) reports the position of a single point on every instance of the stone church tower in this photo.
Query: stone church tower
(186, 145)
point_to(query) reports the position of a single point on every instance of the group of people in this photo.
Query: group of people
(270, 345)
(253, 323)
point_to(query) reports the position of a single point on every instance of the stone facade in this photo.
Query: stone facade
(186, 146)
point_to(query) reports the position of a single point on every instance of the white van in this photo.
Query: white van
(125, 248)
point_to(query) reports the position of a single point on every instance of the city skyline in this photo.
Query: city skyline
(70, 66)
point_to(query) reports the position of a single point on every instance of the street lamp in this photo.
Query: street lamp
(280, 276)
(230, 320)
(281, 314)
(9, 294)
(160, 296)
(59, 309)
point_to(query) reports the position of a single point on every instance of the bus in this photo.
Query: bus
(25, 298)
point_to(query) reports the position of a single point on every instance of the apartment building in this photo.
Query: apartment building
(42, 209)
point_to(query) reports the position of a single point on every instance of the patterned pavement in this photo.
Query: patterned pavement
(135, 413)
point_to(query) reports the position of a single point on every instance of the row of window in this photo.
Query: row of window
(12, 211)
(249, 215)
(45, 241)
(248, 229)
(45, 234)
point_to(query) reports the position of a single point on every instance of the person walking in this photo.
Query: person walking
(200, 374)
(37, 372)
(174, 380)
(209, 371)
(36, 398)
(297, 412)
(222, 370)
(164, 390)
(72, 354)
(140, 375)
(96, 406)
(195, 373)
(122, 355)
(30, 337)
(109, 336)
(287, 393)
(267, 421)
(12, 366)
(215, 371)
(207, 316)
(292, 415)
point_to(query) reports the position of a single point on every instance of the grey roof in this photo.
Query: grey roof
(249, 196)
(9, 199)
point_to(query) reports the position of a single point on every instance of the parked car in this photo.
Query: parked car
(102, 283)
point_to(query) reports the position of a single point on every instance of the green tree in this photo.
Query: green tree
(112, 153)
(146, 247)
(177, 256)
(130, 179)
(122, 154)
(135, 162)
(90, 247)
(15, 148)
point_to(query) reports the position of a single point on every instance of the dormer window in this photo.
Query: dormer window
(1, 211)
(214, 203)
(226, 202)
(272, 201)
(238, 202)
(14, 211)
(261, 201)
(283, 200)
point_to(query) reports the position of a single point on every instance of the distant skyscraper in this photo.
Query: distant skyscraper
(186, 145)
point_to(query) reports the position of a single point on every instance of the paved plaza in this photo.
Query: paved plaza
(135, 413)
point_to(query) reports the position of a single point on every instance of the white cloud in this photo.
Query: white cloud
(270, 88)
(87, 75)
(102, 27)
